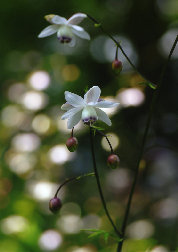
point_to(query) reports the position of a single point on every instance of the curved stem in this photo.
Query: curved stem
(99, 185)
(101, 133)
(72, 179)
(152, 106)
(120, 47)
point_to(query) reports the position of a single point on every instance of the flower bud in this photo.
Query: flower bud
(49, 18)
(55, 205)
(117, 66)
(113, 161)
(72, 144)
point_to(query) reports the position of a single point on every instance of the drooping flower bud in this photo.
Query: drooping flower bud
(55, 205)
(117, 66)
(113, 161)
(72, 144)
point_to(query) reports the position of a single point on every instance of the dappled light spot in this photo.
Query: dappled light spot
(26, 142)
(21, 163)
(15, 91)
(59, 154)
(12, 116)
(39, 80)
(130, 97)
(13, 224)
(91, 221)
(50, 240)
(159, 249)
(166, 43)
(34, 100)
(41, 190)
(118, 179)
(70, 208)
(41, 123)
(114, 140)
(70, 223)
(70, 72)
(140, 229)
(165, 209)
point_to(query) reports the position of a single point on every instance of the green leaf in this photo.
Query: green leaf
(97, 127)
(98, 232)
(97, 25)
(151, 85)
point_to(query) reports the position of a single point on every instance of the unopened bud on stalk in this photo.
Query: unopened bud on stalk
(55, 205)
(113, 161)
(72, 144)
(117, 66)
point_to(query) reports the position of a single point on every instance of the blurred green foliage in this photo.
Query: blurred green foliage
(34, 160)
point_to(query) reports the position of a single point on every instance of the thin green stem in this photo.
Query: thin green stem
(120, 47)
(99, 185)
(72, 179)
(150, 115)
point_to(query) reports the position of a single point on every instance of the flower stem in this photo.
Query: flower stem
(116, 55)
(120, 47)
(101, 133)
(150, 115)
(72, 179)
(99, 185)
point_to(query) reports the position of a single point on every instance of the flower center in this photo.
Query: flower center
(89, 115)
(64, 39)
(64, 34)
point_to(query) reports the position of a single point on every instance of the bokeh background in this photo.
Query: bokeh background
(34, 160)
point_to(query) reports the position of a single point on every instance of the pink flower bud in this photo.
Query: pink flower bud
(117, 66)
(72, 144)
(113, 161)
(55, 205)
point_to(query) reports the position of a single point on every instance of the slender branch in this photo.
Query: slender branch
(120, 47)
(99, 185)
(72, 179)
(152, 106)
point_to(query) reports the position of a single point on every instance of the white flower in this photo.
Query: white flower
(66, 29)
(86, 109)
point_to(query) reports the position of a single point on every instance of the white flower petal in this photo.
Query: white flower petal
(106, 104)
(74, 100)
(49, 30)
(58, 20)
(66, 106)
(72, 121)
(76, 18)
(80, 32)
(103, 117)
(92, 96)
(70, 113)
